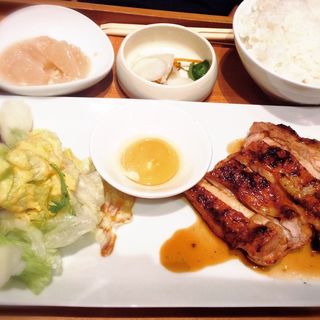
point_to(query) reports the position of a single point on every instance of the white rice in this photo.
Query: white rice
(284, 35)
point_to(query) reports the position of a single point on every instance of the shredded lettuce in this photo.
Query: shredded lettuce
(64, 202)
(30, 262)
(48, 200)
(38, 272)
(64, 229)
(48, 206)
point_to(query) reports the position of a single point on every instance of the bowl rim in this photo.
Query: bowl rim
(159, 86)
(69, 86)
(236, 27)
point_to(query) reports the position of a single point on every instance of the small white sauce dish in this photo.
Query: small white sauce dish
(165, 38)
(125, 124)
(59, 23)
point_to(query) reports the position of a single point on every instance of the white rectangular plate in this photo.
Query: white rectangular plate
(133, 275)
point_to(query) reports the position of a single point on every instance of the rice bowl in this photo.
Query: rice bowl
(281, 57)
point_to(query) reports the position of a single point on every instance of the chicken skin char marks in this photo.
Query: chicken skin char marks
(268, 185)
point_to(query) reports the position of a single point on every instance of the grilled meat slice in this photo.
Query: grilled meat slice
(262, 239)
(280, 166)
(263, 197)
(306, 151)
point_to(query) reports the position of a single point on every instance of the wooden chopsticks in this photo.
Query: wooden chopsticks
(123, 29)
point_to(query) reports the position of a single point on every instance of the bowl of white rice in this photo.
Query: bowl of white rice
(278, 43)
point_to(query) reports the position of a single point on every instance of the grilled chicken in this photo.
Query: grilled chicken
(306, 151)
(265, 198)
(280, 166)
(262, 197)
(261, 239)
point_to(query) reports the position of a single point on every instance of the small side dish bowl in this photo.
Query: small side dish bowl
(277, 86)
(163, 38)
(59, 23)
(126, 124)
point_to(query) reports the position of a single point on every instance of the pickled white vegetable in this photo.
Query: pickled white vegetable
(154, 67)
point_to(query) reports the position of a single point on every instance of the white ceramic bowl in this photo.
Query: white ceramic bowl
(125, 124)
(271, 83)
(165, 38)
(59, 23)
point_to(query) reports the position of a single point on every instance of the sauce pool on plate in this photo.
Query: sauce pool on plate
(193, 248)
(150, 161)
(196, 247)
(235, 146)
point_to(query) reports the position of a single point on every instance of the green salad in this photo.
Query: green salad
(48, 200)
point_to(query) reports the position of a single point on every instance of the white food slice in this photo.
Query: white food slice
(11, 263)
(15, 121)
(178, 81)
(154, 67)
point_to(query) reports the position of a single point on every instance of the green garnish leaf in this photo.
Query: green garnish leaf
(198, 70)
(64, 201)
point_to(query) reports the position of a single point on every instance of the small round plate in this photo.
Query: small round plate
(125, 124)
(59, 23)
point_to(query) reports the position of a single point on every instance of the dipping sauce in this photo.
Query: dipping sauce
(150, 161)
(42, 60)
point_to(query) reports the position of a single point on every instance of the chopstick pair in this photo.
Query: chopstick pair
(212, 34)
